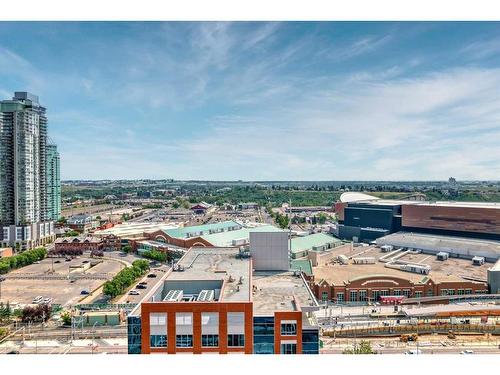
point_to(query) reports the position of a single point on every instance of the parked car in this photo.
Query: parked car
(467, 351)
(37, 299)
(143, 283)
(134, 293)
(57, 261)
(151, 275)
(141, 286)
(47, 301)
(37, 262)
(67, 260)
(414, 351)
(84, 292)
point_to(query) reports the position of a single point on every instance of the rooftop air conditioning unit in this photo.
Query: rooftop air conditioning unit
(343, 259)
(478, 261)
(366, 260)
(206, 296)
(442, 255)
(174, 296)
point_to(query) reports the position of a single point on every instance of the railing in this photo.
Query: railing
(409, 328)
(106, 306)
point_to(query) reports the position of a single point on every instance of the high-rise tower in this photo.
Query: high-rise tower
(23, 173)
(53, 183)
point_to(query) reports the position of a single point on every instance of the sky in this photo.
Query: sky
(263, 100)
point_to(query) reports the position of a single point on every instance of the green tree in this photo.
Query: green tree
(66, 318)
(3, 332)
(364, 347)
(155, 255)
(71, 233)
(4, 267)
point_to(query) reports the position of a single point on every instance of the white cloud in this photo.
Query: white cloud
(385, 130)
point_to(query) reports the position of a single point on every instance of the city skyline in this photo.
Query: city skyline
(263, 101)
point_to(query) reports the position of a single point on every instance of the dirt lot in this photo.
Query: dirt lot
(53, 280)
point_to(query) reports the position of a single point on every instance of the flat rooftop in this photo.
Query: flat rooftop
(230, 276)
(434, 242)
(226, 238)
(356, 197)
(303, 243)
(201, 230)
(222, 264)
(134, 229)
(453, 269)
(280, 291)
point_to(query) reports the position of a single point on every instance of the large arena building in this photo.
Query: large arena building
(365, 218)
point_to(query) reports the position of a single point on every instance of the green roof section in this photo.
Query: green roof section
(303, 265)
(224, 239)
(306, 243)
(201, 230)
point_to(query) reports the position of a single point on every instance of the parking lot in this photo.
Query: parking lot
(58, 279)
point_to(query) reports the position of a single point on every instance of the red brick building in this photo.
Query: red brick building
(371, 287)
(213, 302)
(79, 243)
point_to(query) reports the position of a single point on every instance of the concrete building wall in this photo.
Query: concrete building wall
(494, 278)
(270, 251)
(321, 258)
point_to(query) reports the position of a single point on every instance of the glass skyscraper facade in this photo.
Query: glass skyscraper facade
(53, 183)
(24, 215)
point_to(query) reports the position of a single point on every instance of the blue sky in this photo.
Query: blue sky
(263, 101)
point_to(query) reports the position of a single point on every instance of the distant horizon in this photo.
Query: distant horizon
(283, 101)
(240, 180)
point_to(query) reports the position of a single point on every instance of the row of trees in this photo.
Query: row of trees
(155, 255)
(125, 278)
(23, 259)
